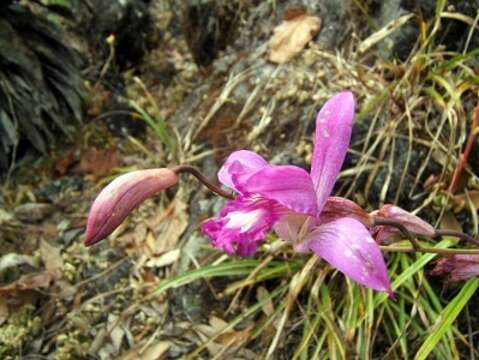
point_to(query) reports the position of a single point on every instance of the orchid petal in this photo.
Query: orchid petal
(239, 165)
(242, 225)
(294, 227)
(338, 207)
(333, 134)
(347, 245)
(411, 222)
(121, 196)
(457, 267)
(289, 185)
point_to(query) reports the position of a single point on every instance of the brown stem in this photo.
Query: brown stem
(180, 169)
(401, 228)
(416, 247)
(431, 250)
(461, 164)
(458, 234)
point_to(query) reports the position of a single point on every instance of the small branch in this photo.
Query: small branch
(458, 234)
(180, 169)
(461, 164)
(401, 228)
(431, 250)
(416, 247)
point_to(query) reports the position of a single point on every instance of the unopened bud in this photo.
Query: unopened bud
(116, 201)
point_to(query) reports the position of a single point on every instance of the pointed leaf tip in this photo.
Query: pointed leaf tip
(121, 196)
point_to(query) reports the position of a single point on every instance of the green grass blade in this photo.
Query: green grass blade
(446, 318)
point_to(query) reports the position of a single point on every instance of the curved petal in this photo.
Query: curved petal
(242, 225)
(347, 245)
(333, 134)
(121, 196)
(293, 227)
(412, 222)
(289, 185)
(338, 207)
(239, 165)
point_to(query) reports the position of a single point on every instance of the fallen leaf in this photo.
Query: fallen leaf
(450, 222)
(165, 259)
(115, 331)
(97, 162)
(51, 257)
(63, 164)
(460, 201)
(33, 212)
(169, 225)
(4, 312)
(28, 282)
(235, 338)
(155, 351)
(291, 36)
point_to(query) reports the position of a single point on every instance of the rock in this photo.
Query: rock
(452, 34)
(131, 24)
(209, 26)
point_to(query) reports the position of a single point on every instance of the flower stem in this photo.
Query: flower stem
(431, 250)
(180, 169)
(417, 247)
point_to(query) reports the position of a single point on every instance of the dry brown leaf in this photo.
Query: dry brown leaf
(168, 226)
(450, 222)
(291, 36)
(51, 257)
(4, 312)
(28, 282)
(235, 338)
(155, 351)
(97, 162)
(460, 201)
(165, 259)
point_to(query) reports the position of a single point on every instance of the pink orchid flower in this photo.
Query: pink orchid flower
(295, 203)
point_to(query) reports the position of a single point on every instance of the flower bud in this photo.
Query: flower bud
(121, 196)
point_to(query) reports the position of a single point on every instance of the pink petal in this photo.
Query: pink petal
(347, 245)
(121, 196)
(413, 223)
(457, 267)
(239, 166)
(338, 207)
(294, 227)
(242, 224)
(333, 134)
(289, 185)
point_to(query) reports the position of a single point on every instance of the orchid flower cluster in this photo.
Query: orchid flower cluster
(296, 204)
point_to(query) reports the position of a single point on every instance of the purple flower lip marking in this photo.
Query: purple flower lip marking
(121, 196)
(297, 204)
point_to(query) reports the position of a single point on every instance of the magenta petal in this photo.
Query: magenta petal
(121, 196)
(338, 207)
(242, 225)
(412, 223)
(457, 267)
(289, 185)
(240, 165)
(347, 245)
(333, 134)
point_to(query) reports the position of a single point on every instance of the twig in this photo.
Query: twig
(461, 164)
(180, 169)
(416, 247)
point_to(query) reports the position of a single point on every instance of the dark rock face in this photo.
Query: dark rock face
(453, 33)
(209, 26)
(131, 24)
